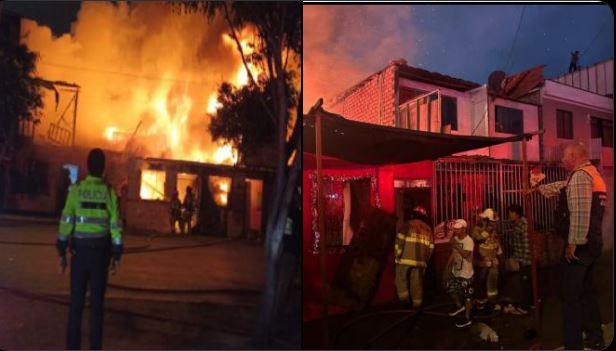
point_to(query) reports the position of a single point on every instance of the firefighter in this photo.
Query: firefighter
(189, 208)
(175, 212)
(485, 235)
(412, 252)
(92, 225)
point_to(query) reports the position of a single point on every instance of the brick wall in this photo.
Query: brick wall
(374, 101)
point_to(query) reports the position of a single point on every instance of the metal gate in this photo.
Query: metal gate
(465, 186)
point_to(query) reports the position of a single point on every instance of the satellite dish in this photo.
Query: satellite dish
(495, 81)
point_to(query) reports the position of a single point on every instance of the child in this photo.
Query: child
(460, 269)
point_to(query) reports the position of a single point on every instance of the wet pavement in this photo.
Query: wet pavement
(171, 292)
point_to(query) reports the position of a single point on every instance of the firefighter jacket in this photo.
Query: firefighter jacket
(414, 245)
(489, 247)
(91, 211)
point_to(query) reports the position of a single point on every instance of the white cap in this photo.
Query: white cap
(420, 209)
(488, 214)
(459, 224)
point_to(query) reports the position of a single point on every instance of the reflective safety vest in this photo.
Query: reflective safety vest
(489, 247)
(414, 247)
(91, 211)
(599, 200)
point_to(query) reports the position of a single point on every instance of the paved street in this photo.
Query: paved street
(389, 328)
(171, 292)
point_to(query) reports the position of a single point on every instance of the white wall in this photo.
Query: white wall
(462, 100)
(513, 150)
(564, 93)
(598, 78)
(483, 115)
(472, 107)
(583, 105)
(479, 111)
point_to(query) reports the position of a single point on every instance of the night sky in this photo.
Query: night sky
(58, 15)
(345, 43)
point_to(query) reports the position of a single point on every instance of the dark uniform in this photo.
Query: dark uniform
(189, 209)
(91, 222)
(579, 295)
(175, 212)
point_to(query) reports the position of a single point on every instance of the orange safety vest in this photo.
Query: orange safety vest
(599, 201)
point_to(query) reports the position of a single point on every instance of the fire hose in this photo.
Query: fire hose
(409, 315)
(131, 249)
(202, 325)
(59, 299)
(144, 249)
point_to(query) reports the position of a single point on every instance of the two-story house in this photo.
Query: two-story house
(460, 186)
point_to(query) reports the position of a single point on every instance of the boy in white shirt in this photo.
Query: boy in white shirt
(460, 271)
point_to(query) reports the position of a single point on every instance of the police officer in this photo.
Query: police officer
(91, 223)
(413, 249)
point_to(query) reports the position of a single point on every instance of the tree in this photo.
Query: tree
(243, 119)
(20, 97)
(278, 27)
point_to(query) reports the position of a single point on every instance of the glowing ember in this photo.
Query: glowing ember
(213, 105)
(225, 154)
(109, 133)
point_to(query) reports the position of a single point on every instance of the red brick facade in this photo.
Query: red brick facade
(372, 101)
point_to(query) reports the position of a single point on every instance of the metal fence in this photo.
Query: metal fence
(465, 186)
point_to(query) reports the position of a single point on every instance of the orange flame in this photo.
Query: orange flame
(156, 68)
(220, 188)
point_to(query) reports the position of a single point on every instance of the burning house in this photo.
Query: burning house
(144, 92)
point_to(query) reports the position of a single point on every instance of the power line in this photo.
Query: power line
(596, 36)
(515, 38)
(121, 73)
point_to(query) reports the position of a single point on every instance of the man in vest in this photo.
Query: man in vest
(582, 202)
(91, 223)
(413, 249)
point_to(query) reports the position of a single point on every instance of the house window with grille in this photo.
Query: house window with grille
(509, 120)
(564, 124)
(604, 129)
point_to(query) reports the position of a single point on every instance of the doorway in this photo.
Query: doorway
(254, 208)
(408, 194)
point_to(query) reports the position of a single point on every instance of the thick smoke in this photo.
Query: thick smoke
(143, 62)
